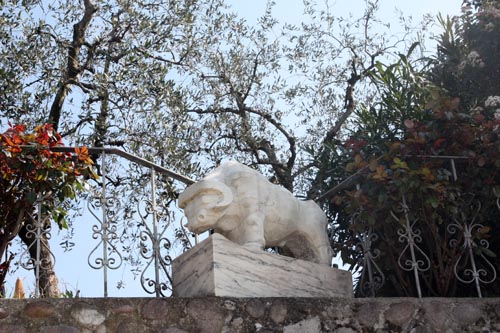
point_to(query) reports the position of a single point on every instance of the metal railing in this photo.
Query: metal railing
(151, 218)
(412, 257)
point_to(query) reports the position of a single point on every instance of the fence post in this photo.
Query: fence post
(38, 231)
(371, 271)
(157, 240)
(412, 236)
(474, 274)
(106, 231)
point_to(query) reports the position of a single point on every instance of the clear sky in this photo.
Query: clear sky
(72, 268)
(291, 11)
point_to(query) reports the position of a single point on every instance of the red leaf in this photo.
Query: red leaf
(479, 118)
(439, 142)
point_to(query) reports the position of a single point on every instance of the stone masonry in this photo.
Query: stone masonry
(219, 314)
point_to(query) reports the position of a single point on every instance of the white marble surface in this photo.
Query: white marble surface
(241, 204)
(218, 267)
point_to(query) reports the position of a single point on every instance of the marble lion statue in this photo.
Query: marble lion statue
(242, 205)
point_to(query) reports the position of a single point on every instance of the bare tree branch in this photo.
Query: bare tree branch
(168, 61)
(77, 126)
(349, 108)
(255, 144)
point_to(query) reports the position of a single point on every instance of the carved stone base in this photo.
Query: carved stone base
(219, 267)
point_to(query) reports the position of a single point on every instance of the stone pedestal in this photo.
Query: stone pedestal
(219, 267)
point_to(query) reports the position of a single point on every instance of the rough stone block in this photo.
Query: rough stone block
(307, 325)
(219, 267)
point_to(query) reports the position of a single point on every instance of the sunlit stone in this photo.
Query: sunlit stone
(219, 267)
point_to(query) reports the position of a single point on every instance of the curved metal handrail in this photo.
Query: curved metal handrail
(128, 156)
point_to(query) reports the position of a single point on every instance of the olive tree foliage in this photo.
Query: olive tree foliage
(188, 81)
(272, 95)
(333, 58)
(105, 74)
(102, 73)
(186, 84)
(234, 100)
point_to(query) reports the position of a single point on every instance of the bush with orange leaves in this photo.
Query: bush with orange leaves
(30, 171)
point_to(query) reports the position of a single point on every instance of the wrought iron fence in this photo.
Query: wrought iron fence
(152, 223)
(153, 226)
(412, 257)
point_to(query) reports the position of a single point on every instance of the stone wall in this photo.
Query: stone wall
(213, 314)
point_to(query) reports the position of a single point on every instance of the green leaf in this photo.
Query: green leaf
(68, 192)
(434, 202)
(412, 48)
(488, 252)
(59, 216)
(31, 197)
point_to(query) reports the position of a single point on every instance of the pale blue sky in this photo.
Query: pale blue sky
(291, 11)
(72, 267)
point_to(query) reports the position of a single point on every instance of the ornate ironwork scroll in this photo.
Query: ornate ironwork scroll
(372, 278)
(157, 261)
(40, 232)
(105, 231)
(470, 250)
(419, 261)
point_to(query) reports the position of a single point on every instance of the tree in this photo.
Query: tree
(117, 62)
(180, 82)
(409, 188)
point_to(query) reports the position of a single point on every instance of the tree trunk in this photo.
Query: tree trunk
(11, 224)
(48, 282)
(74, 68)
(10, 230)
